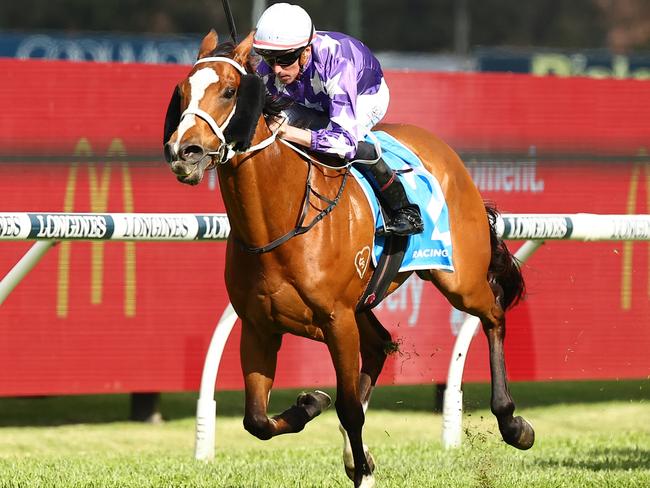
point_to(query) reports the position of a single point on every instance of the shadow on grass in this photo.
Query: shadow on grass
(174, 406)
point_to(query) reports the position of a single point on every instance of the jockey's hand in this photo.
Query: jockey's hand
(277, 123)
(289, 132)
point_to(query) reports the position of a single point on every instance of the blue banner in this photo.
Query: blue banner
(100, 47)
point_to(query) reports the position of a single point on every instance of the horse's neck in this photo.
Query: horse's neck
(263, 191)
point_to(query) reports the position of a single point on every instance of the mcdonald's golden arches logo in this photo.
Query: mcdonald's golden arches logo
(99, 185)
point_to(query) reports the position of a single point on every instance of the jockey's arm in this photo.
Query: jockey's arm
(295, 135)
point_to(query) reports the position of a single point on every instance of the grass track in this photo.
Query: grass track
(597, 436)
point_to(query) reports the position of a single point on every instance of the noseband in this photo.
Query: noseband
(225, 151)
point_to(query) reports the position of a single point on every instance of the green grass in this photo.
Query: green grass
(592, 434)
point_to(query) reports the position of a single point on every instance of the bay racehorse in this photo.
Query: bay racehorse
(283, 279)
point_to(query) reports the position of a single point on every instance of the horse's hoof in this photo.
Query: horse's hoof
(367, 482)
(314, 402)
(526, 437)
(349, 470)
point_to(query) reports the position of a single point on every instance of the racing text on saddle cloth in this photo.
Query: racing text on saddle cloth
(432, 248)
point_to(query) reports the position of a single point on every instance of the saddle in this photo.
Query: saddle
(393, 254)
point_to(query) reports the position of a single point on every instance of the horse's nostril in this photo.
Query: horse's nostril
(191, 152)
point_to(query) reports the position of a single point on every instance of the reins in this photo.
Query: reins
(226, 152)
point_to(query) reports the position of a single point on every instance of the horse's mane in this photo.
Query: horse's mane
(224, 49)
(274, 105)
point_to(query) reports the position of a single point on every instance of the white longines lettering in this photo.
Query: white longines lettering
(215, 229)
(9, 226)
(199, 83)
(71, 226)
(430, 253)
(156, 227)
(631, 230)
(548, 228)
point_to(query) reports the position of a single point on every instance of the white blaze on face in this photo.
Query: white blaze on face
(199, 83)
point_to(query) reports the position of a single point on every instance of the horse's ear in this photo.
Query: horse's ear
(243, 50)
(208, 44)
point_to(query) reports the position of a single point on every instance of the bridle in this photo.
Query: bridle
(225, 152)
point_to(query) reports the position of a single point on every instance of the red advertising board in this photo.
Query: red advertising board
(121, 317)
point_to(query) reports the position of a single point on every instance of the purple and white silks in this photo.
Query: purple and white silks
(342, 79)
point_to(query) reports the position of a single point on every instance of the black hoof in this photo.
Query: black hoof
(522, 435)
(314, 402)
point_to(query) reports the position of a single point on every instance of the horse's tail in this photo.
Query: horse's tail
(504, 267)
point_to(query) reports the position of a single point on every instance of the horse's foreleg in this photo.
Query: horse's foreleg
(342, 339)
(258, 359)
(515, 430)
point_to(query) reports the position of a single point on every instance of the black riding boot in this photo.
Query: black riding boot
(405, 218)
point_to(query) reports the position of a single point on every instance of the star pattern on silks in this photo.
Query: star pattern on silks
(340, 69)
(338, 143)
(332, 86)
(317, 84)
(346, 121)
(329, 43)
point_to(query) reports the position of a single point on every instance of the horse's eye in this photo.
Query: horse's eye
(229, 92)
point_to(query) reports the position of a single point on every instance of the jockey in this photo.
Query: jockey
(339, 93)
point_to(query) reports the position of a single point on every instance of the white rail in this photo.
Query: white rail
(21, 226)
(49, 228)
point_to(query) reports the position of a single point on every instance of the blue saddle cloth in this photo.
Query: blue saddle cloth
(432, 248)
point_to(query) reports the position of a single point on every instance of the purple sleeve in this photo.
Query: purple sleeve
(341, 136)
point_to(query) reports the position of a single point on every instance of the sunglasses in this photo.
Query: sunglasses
(282, 60)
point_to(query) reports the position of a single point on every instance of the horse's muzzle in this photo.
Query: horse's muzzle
(189, 164)
(188, 153)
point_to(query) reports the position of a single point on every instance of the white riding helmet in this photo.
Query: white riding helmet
(283, 27)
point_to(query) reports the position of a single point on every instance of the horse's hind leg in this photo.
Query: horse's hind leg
(482, 299)
(258, 360)
(515, 430)
(374, 340)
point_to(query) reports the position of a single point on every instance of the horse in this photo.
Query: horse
(285, 277)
